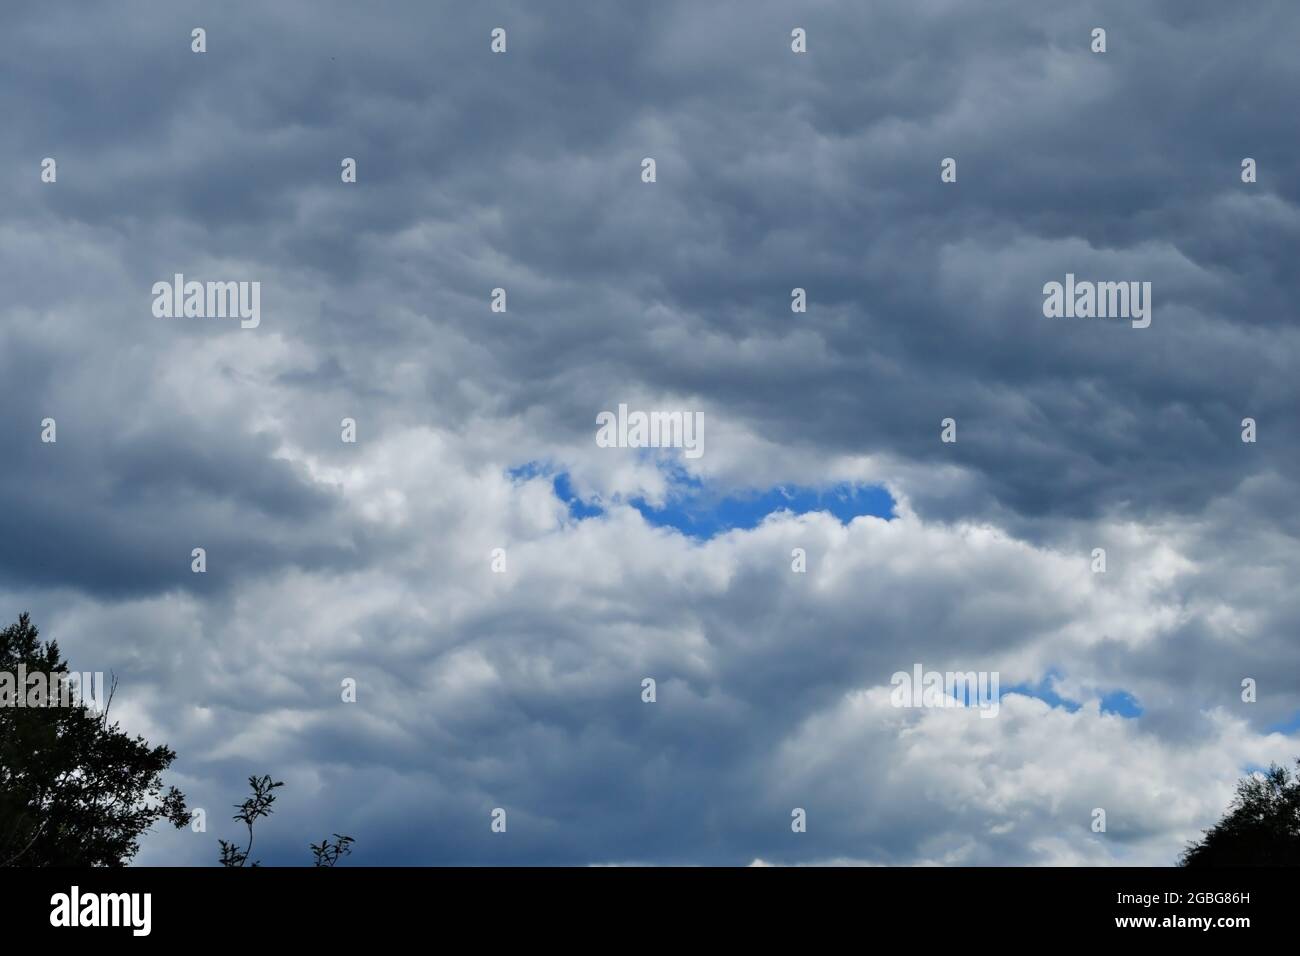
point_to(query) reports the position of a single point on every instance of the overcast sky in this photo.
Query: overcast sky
(522, 690)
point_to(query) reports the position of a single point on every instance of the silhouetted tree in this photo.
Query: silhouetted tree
(327, 854)
(258, 806)
(75, 790)
(1262, 827)
(252, 809)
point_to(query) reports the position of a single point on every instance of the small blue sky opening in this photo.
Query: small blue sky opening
(696, 510)
(1288, 726)
(1119, 702)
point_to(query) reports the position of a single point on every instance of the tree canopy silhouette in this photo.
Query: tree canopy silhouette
(75, 790)
(1261, 828)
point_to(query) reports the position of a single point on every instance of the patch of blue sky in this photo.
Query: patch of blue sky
(1119, 702)
(699, 512)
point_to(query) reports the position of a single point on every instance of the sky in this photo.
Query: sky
(522, 689)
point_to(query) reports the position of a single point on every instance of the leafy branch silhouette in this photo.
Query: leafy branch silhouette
(250, 811)
(325, 853)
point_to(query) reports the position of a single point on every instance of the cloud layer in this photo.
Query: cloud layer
(775, 170)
